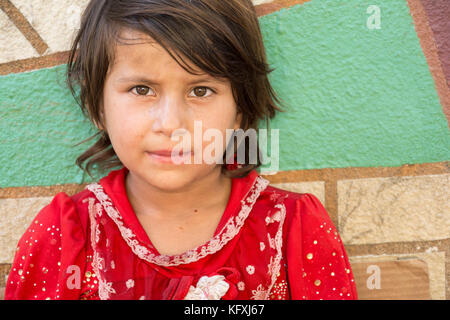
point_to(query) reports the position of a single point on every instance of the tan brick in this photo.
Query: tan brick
(317, 188)
(15, 217)
(13, 44)
(433, 272)
(56, 21)
(395, 209)
(4, 271)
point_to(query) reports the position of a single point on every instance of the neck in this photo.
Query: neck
(193, 199)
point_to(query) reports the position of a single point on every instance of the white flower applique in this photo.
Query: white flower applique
(208, 288)
(130, 283)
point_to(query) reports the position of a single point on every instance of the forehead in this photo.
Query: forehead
(137, 50)
(128, 37)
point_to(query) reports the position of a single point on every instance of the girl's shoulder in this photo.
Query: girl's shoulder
(304, 214)
(289, 195)
(318, 263)
(68, 210)
(306, 205)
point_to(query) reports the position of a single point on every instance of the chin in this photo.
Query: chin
(171, 185)
(171, 180)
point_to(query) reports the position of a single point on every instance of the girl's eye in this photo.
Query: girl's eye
(201, 92)
(141, 90)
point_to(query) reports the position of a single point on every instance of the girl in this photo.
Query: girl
(156, 229)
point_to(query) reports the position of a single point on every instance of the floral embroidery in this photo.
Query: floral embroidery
(241, 286)
(231, 228)
(276, 217)
(272, 265)
(250, 270)
(208, 288)
(274, 196)
(130, 283)
(275, 263)
(97, 233)
(259, 294)
(104, 288)
(271, 241)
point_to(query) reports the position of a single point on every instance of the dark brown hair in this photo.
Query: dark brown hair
(220, 37)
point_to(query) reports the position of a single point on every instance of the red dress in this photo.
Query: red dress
(269, 244)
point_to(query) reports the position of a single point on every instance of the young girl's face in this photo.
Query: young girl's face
(147, 96)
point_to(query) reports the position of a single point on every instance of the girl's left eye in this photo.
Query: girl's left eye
(200, 92)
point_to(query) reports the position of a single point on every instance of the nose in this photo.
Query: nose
(168, 115)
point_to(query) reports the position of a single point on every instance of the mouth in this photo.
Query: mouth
(169, 156)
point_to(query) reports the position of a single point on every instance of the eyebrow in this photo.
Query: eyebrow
(151, 81)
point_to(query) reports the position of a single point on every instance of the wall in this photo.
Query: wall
(367, 87)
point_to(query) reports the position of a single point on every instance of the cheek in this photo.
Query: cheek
(221, 116)
(127, 131)
(124, 128)
(223, 123)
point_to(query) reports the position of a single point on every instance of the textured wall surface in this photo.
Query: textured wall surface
(366, 130)
(358, 97)
(41, 125)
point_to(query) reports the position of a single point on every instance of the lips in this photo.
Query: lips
(168, 153)
(166, 157)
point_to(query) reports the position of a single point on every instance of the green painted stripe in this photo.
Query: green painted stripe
(356, 97)
(40, 124)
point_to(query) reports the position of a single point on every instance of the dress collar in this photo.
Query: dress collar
(244, 192)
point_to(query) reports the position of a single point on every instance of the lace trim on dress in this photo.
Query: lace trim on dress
(228, 232)
(104, 287)
(274, 265)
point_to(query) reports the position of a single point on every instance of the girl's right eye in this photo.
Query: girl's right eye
(141, 90)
